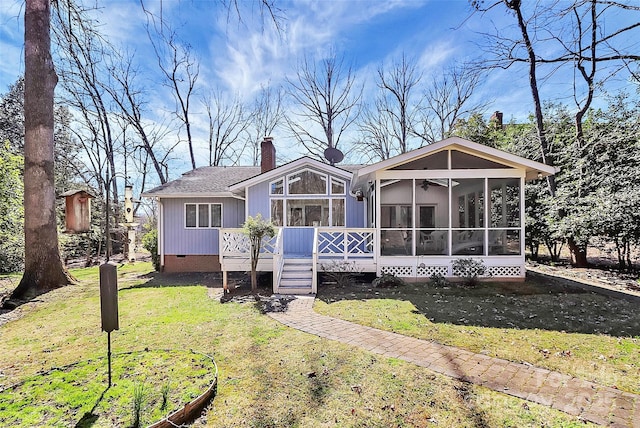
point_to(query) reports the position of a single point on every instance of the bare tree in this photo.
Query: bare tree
(388, 126)
(82, 52)
(447, 99)
(227, 123)
(266, 116)
(130, 101)
(588, 44)
(44, 269)
(179, 68)
(327, 99)
(376, 129)
(397, 85)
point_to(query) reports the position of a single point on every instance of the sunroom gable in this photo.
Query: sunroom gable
(302, 164)
(454, 153)
(459, 160)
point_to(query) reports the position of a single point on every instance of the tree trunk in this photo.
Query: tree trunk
(255, 253)
(44, 270)
(516, 5)
(578, 254)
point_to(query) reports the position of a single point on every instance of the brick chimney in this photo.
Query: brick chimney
(496, 120)
(267, 155)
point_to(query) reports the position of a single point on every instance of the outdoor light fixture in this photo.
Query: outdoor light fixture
(425, 185)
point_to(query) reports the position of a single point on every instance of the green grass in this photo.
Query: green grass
(270, 375)
(587, 335)
(64, 394)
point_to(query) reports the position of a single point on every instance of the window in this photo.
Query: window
(505, 202)
(277, 213)
(317, 199)
(277, 187)
(307, 182)
(308, 212)
(469, 197)
(396, 216)
(427, 216)
(337, 186)
(203, 215)
(504, 236)
(337, 212)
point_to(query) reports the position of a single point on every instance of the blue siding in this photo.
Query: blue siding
(356, 215)
(258, 200)
(182, 241)
(298, 241)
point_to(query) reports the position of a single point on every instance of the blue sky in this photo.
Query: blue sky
(239, 57)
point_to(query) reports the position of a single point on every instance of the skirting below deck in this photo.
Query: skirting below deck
(191, 263)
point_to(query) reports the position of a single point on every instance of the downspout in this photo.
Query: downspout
(523, 270)
(377, 223)
(161, 234)
(246, 203)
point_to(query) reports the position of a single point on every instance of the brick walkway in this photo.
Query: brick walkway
(590, 401)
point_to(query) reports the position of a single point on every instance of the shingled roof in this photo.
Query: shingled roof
(204, 181)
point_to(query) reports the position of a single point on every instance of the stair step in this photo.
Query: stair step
(297, 276)
(298, 282)
(294, 290)
(287, 278)
(297, 268)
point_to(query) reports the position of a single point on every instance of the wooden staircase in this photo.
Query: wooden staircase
(297, 276)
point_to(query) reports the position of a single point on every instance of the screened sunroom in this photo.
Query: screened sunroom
(450, 200)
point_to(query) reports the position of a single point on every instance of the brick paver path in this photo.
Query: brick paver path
(590, 401)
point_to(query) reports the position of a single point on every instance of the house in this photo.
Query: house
(409, 216)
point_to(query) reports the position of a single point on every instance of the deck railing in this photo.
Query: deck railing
(345, 243)
(314, 264)
(330, 244)
(278, 260)
(234, 243)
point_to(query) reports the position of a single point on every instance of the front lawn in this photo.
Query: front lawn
(269, 375)
(588, 335)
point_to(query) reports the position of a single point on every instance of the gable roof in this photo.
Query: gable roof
(345, 171)
(207, 181)
(533, 169)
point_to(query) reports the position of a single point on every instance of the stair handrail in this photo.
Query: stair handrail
(314, 262)
(278, 261)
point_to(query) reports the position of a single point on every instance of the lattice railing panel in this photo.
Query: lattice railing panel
(238, 243)
(428, 271)
(349, 242)
(331, 243)
(397, 270)
(505, 271)
(359, 242)
(234, 243)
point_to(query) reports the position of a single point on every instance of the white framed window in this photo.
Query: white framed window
(202, 216)
(276, 187)
(308, 212)
(307, 182)
(337, 186)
